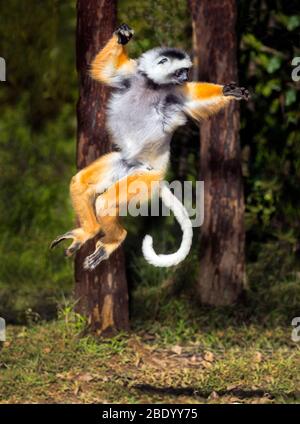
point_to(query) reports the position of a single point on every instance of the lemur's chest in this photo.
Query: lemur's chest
(141, 110)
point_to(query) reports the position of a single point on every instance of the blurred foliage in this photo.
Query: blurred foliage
(156, 23)
(270, 39)
(37, 152)
(37, 149)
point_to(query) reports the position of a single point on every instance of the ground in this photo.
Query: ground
(171, 361)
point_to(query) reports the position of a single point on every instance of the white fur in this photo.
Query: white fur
(201, 104)
(140, 126)
(141, 123)
(185, 223)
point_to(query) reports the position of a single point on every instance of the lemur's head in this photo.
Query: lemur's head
(165, 65)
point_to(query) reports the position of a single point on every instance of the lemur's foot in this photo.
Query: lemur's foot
(74, 247)
(238, 92)
(79, 237)
(124, 33)
(93, 260)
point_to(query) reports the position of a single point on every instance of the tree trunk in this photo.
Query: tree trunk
(102, 295)
(222, 256)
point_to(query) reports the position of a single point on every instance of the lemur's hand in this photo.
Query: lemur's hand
(124, 33)
(238, 92)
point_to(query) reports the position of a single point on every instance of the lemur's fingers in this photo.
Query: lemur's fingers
(238, 92)
(68, 235)
(93, 260)
(124, 33)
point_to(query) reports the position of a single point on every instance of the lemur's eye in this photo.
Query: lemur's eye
(163, 60)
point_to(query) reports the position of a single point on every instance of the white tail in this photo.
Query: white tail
(182, 217)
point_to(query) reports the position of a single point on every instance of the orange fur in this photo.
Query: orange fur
(204, 99)
(118, 194)
(83, 194)
(83, 203)
(128, 187)
(90, 174)
(122, 60)
(202, 90)
(109, 61)
(115, 234)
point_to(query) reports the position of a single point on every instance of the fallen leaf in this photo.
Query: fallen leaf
(85, 377)
(176, 349)
(149, 337)
(263, 400)
(65, 376)
(138, 360)
(209, 356)
(213, 395)
(206, 364)
(22, 334)
(232, 387)
(77, 388)
(235, 399)
(257, 357)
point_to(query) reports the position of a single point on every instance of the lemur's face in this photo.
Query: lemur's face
(165, 66)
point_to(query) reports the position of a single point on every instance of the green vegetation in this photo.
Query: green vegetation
(180, 358)
(37, 152)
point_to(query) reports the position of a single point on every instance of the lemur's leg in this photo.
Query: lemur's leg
(109, 66)
(204, 99)
(112, 62)
(115, 234)
(141, 187)
(83, 190)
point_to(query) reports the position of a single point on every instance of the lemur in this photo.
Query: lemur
(151, 98)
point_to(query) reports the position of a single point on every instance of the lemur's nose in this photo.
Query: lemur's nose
(182, 74)
(185, 77)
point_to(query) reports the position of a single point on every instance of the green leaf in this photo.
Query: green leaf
(293, 22)
(273, 64)
(290, 97)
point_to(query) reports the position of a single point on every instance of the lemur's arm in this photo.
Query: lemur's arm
(204, 99)
(112, 65)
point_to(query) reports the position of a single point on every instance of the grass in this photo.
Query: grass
(175, 358)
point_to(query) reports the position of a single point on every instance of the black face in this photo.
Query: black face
(181, 75)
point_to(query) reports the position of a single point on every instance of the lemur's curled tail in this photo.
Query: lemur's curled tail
(182, 217)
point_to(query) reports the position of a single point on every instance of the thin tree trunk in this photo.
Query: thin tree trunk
(222, 258)
(102, 295)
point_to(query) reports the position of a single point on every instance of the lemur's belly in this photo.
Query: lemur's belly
(141, 125)
(135, 130)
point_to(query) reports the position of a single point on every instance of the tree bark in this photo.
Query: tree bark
(102, 295)
(222, 255)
